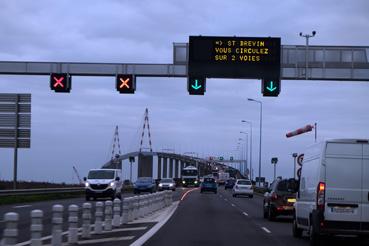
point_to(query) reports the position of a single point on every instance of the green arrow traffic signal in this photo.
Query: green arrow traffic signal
(271, 87)
(196, 85)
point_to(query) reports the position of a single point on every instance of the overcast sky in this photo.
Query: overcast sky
(77, 128)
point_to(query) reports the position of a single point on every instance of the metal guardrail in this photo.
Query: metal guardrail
(40, 191)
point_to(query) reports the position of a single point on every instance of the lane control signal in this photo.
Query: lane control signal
(60, 82)
(271, 87)
(196, 85)
(125, 83)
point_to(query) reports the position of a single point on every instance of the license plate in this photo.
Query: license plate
(291, 200)
(288, 208)
(343, 210)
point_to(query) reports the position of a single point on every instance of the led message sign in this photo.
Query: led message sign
(234, 57)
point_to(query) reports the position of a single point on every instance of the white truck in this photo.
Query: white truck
(103, 183)
(222, 177)
(333, 194)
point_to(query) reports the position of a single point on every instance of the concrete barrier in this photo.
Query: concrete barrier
(57, 222)
(73, 224)
(99, 214)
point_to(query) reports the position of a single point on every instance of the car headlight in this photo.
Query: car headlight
(87, 184)
(171, 185)
(183, 182)
(195, 182)
(112, 184)
(160, 185)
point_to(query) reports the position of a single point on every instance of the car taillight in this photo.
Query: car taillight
(274, 196)
(320, 196)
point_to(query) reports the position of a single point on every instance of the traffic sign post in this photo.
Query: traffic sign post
(125, 83)
(274, 162)
(271, 87)
(15, 113)
(196, 85)
(60, 82)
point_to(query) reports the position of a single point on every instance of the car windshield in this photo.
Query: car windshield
(144, 180)
(209, 180)
(101, 174)
(244, 182)
(166, 181)
(189, 172)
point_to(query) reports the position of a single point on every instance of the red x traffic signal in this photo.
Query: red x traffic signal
(60, 82)
(126, 83)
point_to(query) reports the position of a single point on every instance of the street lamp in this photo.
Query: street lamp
(307, 36)
(294, 155)
(261, 124)
(249, 122)
(246, 157)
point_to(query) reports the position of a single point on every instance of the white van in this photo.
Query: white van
(333, 196)
(103, 183)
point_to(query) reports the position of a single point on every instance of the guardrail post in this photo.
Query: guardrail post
(36, 227)
(98, 217)
(125, 211)
(73, 224)
(150, 203)
(146, 205)
(86, 220)
(130, 208)
(11, 229)
(135, 207)
(57, 222)
(116, 211)
(108, 215)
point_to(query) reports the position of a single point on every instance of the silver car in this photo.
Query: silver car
(167, 184)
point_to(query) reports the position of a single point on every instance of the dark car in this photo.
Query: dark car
(144, 184)
(209, 184)
(280, 198)
(229, 184)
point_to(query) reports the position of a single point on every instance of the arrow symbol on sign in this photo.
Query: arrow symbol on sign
(271, 87)
(196, 86)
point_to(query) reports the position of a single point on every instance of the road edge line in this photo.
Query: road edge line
(145, 237)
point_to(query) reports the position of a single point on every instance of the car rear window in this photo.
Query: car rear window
(283, 185)
(244, 182)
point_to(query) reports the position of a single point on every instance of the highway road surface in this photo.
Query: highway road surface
(219, 219)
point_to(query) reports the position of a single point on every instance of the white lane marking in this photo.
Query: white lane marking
(246, 214)
(104, 240)
(166, 216)
(22, 206)
(232, 204)
(124, 229)
(266, 230)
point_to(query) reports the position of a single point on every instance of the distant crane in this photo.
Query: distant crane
(78, 177)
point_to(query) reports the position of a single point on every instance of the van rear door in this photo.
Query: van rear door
(344, 182)
(365, 191)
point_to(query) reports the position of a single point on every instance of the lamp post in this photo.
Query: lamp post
(249, 122)
(261, 124)
(294, 155)
(307, 36)
(246, 157)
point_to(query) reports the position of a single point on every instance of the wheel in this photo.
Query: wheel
(251, 196)
(271, 214)
(265, 212)
(234, 195)
(296, 232)
(87, 198)
(215, 192)
(119, 196)
(314, 237)
(201, 191)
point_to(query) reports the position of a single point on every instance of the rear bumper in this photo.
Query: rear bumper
(345, 228)
(208, 189)
(243, 192)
